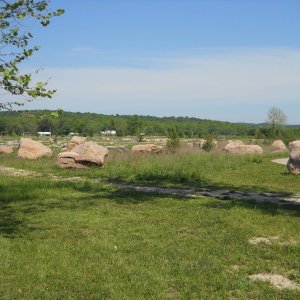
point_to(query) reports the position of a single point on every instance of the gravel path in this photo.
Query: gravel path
(221, 194)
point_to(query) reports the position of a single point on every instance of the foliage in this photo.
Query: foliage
(91, 123)
(134, 125)
(209, 143)
(140, 137)
(15, 48)
(2, 126)
(287, 134)
(173, 141)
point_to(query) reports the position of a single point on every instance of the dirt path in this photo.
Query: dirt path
(221, 194)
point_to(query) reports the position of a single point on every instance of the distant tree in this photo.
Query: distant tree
(45, 124)
(276, 117)
(134, 125)
(2, 126)
(173, 139)
(14, 49)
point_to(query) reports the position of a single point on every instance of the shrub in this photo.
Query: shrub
(140, 137)
(209, 144)
(173, 141)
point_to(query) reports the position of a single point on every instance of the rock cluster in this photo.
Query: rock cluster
(238, 147)
(31, 149)
(82, 156)
(293, 164)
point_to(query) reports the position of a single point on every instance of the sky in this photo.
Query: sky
(229, 60)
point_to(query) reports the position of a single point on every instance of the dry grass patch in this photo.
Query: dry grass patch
(278, 281)
(262, 240)
(272, 240)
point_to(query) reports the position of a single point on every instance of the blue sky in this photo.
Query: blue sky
(217, 59)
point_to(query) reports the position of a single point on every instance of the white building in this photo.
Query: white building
(44, 133)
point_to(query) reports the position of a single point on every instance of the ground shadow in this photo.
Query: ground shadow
(18, 203)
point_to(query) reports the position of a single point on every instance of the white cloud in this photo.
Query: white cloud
(187, 86)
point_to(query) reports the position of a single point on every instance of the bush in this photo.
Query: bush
(140, 137)
(209, 144)
(173, 141)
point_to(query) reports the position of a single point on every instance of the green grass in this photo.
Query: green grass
(187, 169)
(62, 240)
(88, 240)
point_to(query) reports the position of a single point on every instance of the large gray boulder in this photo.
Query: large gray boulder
(293, 164)
(31, 149)
(83, 156)
(238, 147)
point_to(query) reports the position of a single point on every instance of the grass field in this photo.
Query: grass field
(88, 240)
(188, 169)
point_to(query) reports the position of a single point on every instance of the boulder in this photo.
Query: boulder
(31, 149)
(82, 156)
(278, 145)
(238, 147)
(235, 142)
(6, 149)
(91, 152)
(75, 141)
(67, 160)
(293, 164)
(147, 148)
(294, 149)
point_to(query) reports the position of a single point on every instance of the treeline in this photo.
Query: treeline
(89, 124)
